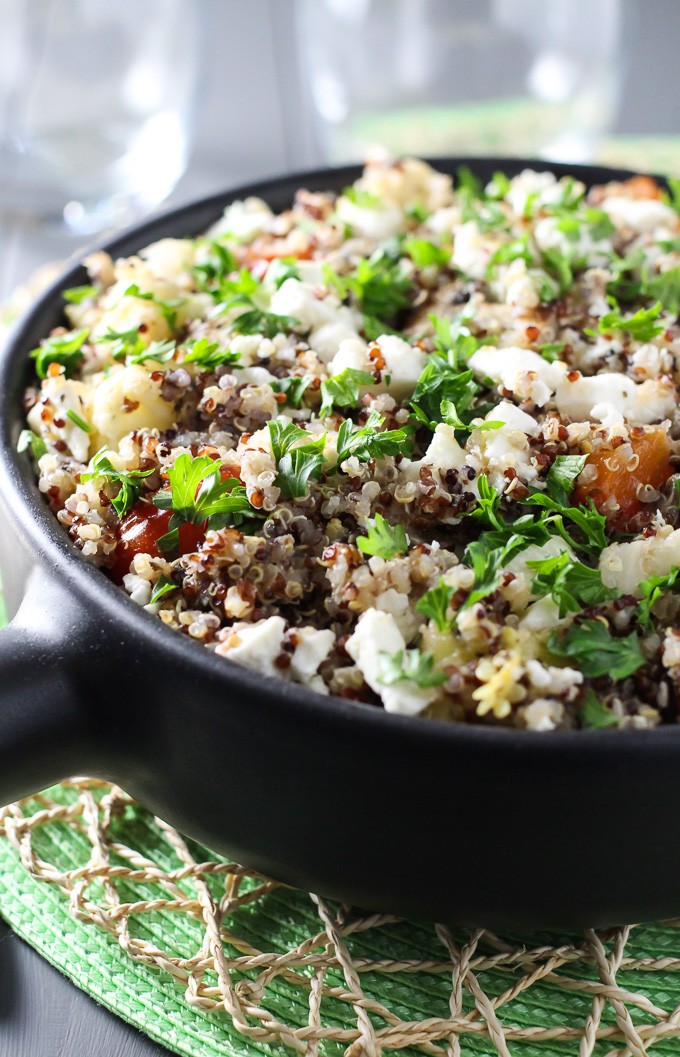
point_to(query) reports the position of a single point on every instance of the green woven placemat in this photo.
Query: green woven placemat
(210, 959)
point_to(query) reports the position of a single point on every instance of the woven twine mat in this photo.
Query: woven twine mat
(209, 958)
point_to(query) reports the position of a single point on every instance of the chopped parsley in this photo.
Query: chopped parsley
(559, 267)
(642, 325)
(487, 507)
(410, 666)
(246, 292)
(197, 494)
(487, 563)
(75, 418)
(591, 537)
(294, 388)
(342, 390)
(435, 604)
(367, 442)
(219, 264)
(77, 294)
(672, 196)
(64, 349)
(594, 714)
(652, 590)
(208, 354)
(384, 540)
(665, 288)
(168, 308)
(551, 351)
(562, 476)
(128, 480)
(358, 197)
(571, 584)
(439, 384)
(516, 250)
(424, 253)
(158, 351)
(162, 587)
(29, 439)
(591, 645)
(296, 462)
(379, 287)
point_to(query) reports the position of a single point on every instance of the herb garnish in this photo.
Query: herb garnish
(597, 652)
(384, 540)
(245, 291)
(342, 390)
(64, 349)
(296, 462)
(409, 666)
(652, 589)
(424, 253)
(208, 354)
(129, 481)
(197, 493)
(367, 442)
(642, 325)
(168, 308)
(77, 294)
(163, 587)
(29, 439)
(594, 714)
(571, 584)
(435, 604)
(78, 421)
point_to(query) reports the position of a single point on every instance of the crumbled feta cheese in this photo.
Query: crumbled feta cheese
(301, 301)
(404, 364)
(626, 565)
(255, 645)
(472, 250)
(513, 417)
(649, 401)
(378, 632)
(381, 222)
(640, 214)
(313, 646)
(522, 371)
(242, 220)
(444, 451)
(352, 352)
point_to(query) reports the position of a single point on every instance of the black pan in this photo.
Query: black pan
(443, 822)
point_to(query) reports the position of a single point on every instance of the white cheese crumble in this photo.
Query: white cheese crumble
(378, 632)
(626, 565)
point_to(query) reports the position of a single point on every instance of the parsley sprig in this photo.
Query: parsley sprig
(435, 604)
(652, 590)
(296, 462)
(382, 539)
(409, 666)
(591, 645)
(197, 494)
(64, 349)
(129, 481)
(343, 389)
(246, 292)
(368, 442)
(571, 584)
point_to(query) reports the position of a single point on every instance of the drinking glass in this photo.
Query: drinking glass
(512, 77)
(95, 102)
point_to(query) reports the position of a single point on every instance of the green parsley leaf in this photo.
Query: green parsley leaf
(562, 476)
(384, 540)
(123, 343)
(665, 288)
(79, 422)
(454, 343)
(343, 389)
(162, 587)
(64, 349)
(435, 604)
(361, 198)
(669, 245)
(516, 250)
(379, 287)
(245, 291)
(498, 186)
(551, 351)
(208, 354)
(410, 666)
(625, 284)
(466, 180)
(29, 439)
(452, 418)
(595, 715)
(424, 253)
(158, 351)
(641, 325)
(591, 645)
(219, 264)
(559, 267)
(197, 494)
(283, 268)
(439, 383)
(77, 294)
(487, 564)
(296, 462)
(168, 308)
(418, 213)
(672, 197)
(591, 524)
(367, 442)
(571, 584)
(294, 386)
(257, 321)
(488, 504)
(129, 481)
(652, 589)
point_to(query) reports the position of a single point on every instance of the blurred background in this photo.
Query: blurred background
(112, 108)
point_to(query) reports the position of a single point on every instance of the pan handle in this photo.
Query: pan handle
(43, 731)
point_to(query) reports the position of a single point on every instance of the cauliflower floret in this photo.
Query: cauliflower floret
(128, 399)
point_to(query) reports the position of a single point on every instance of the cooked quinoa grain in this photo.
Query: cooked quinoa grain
(415, 445)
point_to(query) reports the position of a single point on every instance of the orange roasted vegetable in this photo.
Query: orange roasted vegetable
(620, 472)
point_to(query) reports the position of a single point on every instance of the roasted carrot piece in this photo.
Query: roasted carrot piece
(618, 474)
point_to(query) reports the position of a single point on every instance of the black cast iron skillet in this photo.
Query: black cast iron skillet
(453, 823)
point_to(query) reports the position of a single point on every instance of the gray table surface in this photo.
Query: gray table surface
(42, 1014)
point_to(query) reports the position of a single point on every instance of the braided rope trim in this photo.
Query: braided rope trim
(228, 973)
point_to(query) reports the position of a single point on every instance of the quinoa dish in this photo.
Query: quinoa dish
(415, 444)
